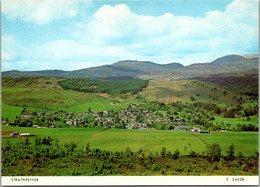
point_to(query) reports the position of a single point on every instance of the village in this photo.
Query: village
(134, 117)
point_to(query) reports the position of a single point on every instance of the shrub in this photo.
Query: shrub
(176, 154)
(231, 151)
(154, 167)
(213, 151)
(169, 153)
(215, 166)
(163, 151)
(243, 167)
(128, 152)
(192, 153)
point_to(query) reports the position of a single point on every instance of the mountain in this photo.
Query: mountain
(226, 64)
(228, 58)
(130, 68)
(237, 72)
(16, 73)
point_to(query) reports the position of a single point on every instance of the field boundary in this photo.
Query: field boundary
(200, 138)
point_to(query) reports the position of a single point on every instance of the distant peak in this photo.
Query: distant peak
(229, 58)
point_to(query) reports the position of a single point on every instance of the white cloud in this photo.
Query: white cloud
(40, 12)
(9, 48)
(116, 33)
(216, 34)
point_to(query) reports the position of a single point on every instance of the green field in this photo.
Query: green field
(10, 111)
(234, 121)
(147, 140)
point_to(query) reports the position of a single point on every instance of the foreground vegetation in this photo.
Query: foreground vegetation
(47, 157)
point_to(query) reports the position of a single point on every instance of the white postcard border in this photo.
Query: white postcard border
(130, 180)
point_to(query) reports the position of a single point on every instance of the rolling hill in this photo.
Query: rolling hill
(245, 82)
(129, 68)
(189, 91)
(237, 72)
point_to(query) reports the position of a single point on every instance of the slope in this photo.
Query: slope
(189, 91)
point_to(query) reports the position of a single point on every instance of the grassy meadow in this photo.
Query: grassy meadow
(147, 140)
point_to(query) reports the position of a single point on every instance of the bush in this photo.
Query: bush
(163, 151)
(192, 153)
(243, 167)
(215, 166)
(154, 167)
(231, 151)
(213, 151)
(176, 154)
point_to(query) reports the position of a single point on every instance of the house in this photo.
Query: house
(69, 122)
(128, 127)
(181, 128)
(148, 114)
(159, 120)
(124, 119)
(14, 134)
(134, 109)
(40, 127)
(98, 119)
(105, 113)
(25, 134)
(195, 129)
(143, 128)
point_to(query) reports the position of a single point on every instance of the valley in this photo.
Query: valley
(129, 115)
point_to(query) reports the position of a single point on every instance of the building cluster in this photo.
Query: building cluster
(135, 117)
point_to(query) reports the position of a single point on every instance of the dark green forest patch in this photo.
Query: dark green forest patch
(104, 86)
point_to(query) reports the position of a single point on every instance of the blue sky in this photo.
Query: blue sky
(76, 34)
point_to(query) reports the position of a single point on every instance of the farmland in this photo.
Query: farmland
(74, 152)
(147, 140)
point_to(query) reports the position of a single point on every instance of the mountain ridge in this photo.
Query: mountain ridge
(150, 70)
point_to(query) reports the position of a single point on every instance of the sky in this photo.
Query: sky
(77, 34)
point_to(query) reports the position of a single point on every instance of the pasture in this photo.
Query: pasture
(234, 121)
(147, 140)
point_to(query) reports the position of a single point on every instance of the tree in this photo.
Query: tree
(176, 154)
(213, 152)
(192, 98)
(231, 151)
(163, 151)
